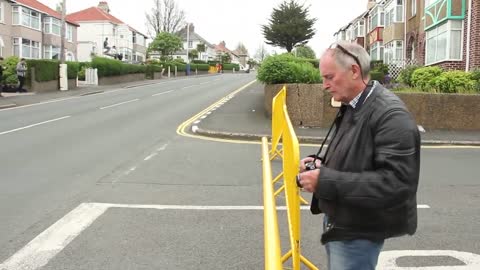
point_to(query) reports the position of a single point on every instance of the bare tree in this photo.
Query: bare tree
(261, 53)
(165, 16)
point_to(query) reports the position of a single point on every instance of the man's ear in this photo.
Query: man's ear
(356, 72)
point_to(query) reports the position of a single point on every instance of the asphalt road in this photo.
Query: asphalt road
(105, 182)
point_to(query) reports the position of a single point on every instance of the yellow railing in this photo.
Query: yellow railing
(270, 221)
(290, 154)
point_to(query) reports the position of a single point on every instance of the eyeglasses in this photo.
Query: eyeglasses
(345, 51)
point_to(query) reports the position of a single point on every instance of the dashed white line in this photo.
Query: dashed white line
(40, 103)
(33, 125)
(188, 86)
(162, 93)
(150, 156)
(118, 104)
(204, 82)
(196, 122)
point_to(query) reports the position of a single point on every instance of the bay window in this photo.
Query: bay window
(444, 42)
(25, 48)
(51, 52)
(394, 12)
(26, 17)
(376, 19)
(393, 51)
(376, 51)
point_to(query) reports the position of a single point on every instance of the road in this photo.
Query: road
(105, 182)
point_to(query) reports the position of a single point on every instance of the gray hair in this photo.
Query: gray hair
(346, 61)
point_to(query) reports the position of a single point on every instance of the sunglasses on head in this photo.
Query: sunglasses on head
(345, 51)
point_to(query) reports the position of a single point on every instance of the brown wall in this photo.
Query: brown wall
(121, 79)
(309, 105)
(395, 31)
(475, 37)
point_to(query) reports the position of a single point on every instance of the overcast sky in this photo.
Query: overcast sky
(234, 21)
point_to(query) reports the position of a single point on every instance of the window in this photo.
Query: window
(413, 5)
(52, 26)
(376, 51)
(393, 52)
(16, 47)
(26, 48)
(15, 15)
(394, 13)
(2, 15)
(190, 44)
(444, 42)
(376, 19)
(26, 17)
(69, 34)
(134, 39)
(51, 52)
(429, 2)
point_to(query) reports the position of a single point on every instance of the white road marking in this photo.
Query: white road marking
(162, 93)
(188, 86)
(118, 104)
(203, 117)
(204, 82)
(37, 124)
(36, 104)
(161, 148)
(194, 129)
(150, 156)
(50, 242)
(423, 206)
(387, 259)
(196, 122)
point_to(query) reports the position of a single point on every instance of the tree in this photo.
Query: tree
(166, 43)
(305, 52)
(261, 53)
(289, 26)
(165, 16)
(201, 47)
(226, 58)
(241, 48)
(192, 54)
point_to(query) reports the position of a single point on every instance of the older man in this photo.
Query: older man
(366, 181)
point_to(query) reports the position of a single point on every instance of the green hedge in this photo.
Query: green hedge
(286, 68)
(199, 67)
(111, 67)
(422, 77)
(45, 70)
(152, 69)
(405, 75)
(72, 69)
(231, 67)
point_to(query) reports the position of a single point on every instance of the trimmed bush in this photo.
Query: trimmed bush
(475, 76)
(72, 69)
(150, 69)
(286, 68)
(422, 77)
(45, 70)
(231, 67)
(111, 67)
(199, 62)
(453, 82)
(405, 75)
(10, 73)
(199, 67)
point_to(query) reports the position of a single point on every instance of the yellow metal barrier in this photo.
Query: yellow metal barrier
(291, 160)
(277, 121)
(271, 233)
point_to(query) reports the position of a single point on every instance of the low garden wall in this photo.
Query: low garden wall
(309, 105)
(121, 79)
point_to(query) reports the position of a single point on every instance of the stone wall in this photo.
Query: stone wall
(310, 106)
(121, 79)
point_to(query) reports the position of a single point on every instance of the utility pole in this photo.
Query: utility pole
(188, 41)
(62, 34)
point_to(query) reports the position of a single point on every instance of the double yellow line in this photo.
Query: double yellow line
(183, 127)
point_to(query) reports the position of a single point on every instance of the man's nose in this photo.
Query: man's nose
(326, 85)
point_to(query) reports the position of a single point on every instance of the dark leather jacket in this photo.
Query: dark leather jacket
(368, 183)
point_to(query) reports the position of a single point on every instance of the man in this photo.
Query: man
(366, 181)
(21, 74)
(105, 46)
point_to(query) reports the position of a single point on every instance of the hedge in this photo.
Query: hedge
(45, 70)
(110, 67)
(286, 68)
(231, 67)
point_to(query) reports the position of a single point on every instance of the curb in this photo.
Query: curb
(311, 140)
(6, 106)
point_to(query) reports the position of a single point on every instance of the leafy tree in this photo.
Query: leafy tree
(289, 26)
(252, 63)
(305, 52)
(192, 54)
(201, 47)
(165, 16)
(166, 44)
(226, 58)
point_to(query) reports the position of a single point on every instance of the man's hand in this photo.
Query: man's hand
(309, 180)
(307, 160)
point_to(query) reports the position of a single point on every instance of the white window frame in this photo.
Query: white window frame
(394, 49)
(69, 32)
(25, 17)
(379, 51)
(2, 13)
(18, 42)
(434, 34)
(413, 8)
(394, 12)
(49, 50)
(377, 18)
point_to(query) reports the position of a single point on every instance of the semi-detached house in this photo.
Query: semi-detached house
(97, 24)
(30, 29)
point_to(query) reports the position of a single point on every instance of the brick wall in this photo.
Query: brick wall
(475, 38)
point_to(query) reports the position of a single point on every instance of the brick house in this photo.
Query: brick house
(424, 32)
(30, 29)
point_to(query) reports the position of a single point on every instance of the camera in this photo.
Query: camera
(308, 167)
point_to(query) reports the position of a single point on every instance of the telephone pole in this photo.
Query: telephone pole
(63, 32)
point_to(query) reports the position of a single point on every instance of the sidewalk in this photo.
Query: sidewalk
(243, 117)
(9, 100)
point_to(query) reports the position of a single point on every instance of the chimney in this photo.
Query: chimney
(370, 4)
(103, 5)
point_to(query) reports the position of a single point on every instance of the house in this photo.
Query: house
(423, 32)
(97, 25)
(191, 40)
(221, 49)
(30, 29)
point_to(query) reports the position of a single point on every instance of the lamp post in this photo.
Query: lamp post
(188, 41)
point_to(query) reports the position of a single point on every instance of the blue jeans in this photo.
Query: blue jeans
(359, 254)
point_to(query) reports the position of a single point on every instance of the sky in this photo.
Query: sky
(235, 21)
